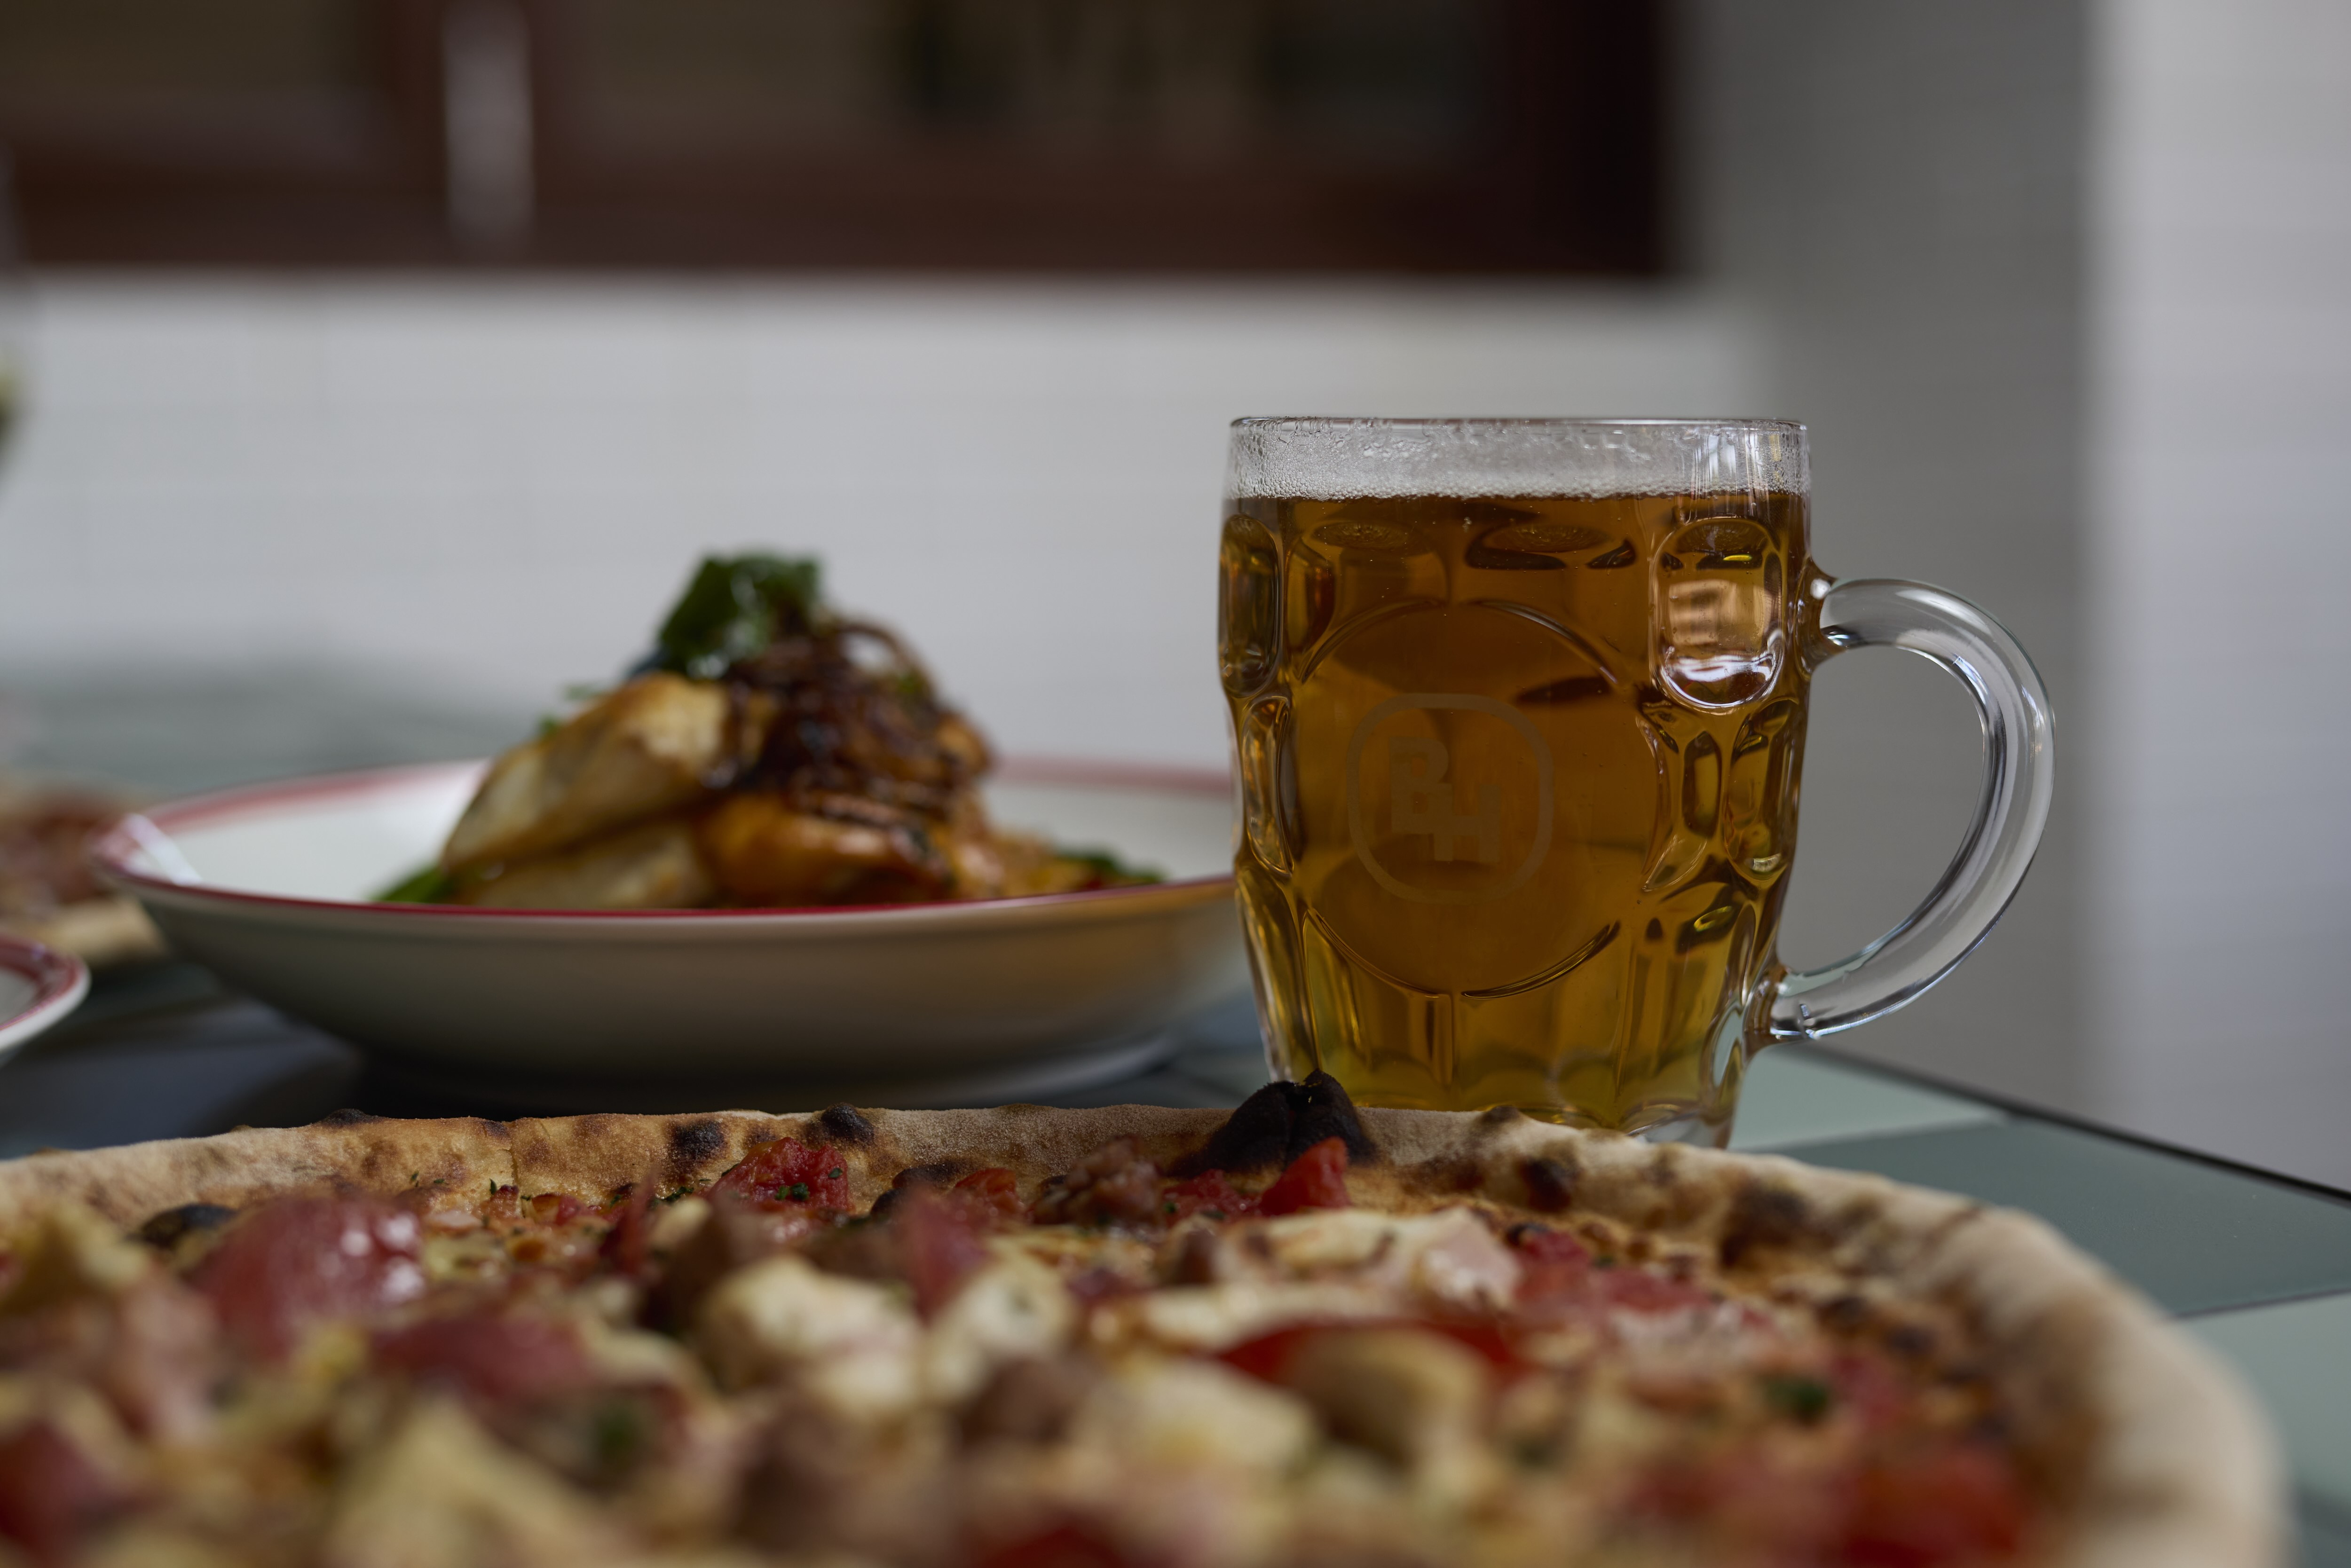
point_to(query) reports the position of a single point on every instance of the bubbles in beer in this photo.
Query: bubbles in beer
(1381, 538)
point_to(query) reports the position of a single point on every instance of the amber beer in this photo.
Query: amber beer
(1519, 778)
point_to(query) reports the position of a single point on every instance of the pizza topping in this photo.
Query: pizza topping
(1315, 1179)
(493, 1360)
(788, 1171)
(54, 1490)
(1955, 1504)
(1013, 1308)
(1030, 1400)
(1211, 1193)
(1319, 1360)
(304, 1260)
(1415, 1398)
(1112, 1186)
(939, 1246)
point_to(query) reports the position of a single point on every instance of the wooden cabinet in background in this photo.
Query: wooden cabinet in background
(1055, 135)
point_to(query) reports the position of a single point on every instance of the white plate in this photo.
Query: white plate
(39, 987)
(925, 1003)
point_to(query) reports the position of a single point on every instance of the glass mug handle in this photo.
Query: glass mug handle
(1975, 890)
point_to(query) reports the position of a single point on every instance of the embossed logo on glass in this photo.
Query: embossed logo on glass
(1438, 829)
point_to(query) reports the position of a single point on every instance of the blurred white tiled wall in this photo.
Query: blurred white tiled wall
(2221, 548)
(493, 488)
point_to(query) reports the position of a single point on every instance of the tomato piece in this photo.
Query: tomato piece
(991, 1196)
(1063, 1546)
(1315, 1179)
(300, 1260)
(789, 1172)
(1211, 1193)
(1869, 1388)
(493, 1359)
(1775, 1514)
(1268, 1356)
(1956, 1504)
(51, 1492)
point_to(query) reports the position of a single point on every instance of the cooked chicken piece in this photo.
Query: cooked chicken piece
(766, 850)
(653, 866)
(440, 1492)
(658, 743)
(1413, 1396)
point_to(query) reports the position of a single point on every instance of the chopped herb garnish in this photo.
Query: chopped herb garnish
(1801, 1399)
(620, 1434)
(798, 1192)
(836, 1173)
(1605, 1260)
(1108, 869)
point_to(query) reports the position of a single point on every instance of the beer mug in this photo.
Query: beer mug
(1519, 712)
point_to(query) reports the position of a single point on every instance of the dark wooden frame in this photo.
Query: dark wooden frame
(1575, 182)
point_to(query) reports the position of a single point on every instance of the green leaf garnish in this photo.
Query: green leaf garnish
(734, 607)
(1108, 869)
(431, 885)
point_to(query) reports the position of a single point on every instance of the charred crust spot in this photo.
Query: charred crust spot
(845, 1124)
(166, 1230)
(1253, 1138)
(1448, 1173)
(884, 1202)
(1500, 1116)
(1279, 1122)
(1551, 1184)
(1325, 1111)
(346, 1117)
(693, 1144)
(932, 1173)
(1762, 1216)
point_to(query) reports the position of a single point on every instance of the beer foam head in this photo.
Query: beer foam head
(1315, 459)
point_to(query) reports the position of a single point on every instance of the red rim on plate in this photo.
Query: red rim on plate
(59, 981)
(114, 851)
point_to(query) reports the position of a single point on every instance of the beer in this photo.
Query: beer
(1519, 781)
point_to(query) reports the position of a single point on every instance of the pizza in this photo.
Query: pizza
(1121, 1338)
(47, 891)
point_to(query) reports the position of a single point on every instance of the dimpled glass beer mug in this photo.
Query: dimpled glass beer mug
(1519, 710)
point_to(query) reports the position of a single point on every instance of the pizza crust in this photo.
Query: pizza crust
(2172, 1464)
